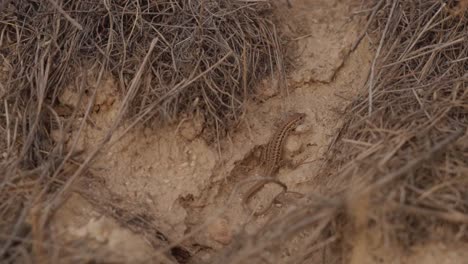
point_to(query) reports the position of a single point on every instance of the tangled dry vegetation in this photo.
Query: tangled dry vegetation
(402, 153)
(407, 139)
(169, 57)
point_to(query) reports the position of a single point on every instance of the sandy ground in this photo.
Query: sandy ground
(160, 183)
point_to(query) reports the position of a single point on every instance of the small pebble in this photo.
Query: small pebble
(292, 145)
(220, 231)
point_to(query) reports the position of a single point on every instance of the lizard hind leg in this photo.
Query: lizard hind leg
(255, 189)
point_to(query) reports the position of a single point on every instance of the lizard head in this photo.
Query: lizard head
(299, 117)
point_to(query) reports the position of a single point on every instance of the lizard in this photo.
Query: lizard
(272, 157)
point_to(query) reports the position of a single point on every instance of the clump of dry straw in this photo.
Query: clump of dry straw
(398, 169)
(168, 57)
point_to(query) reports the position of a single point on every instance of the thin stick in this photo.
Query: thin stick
(65, 14)
(366, 27)
(377, 54)
(451, 216)
(414, 163)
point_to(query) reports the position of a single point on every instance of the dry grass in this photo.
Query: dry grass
(399, 165)
(169, 57)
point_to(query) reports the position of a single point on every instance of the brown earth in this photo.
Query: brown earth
(170, 181)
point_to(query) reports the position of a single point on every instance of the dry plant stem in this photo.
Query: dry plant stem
(76, 136)
(413, 102)
(377, 54)
(41, 79)
(117, 37)
(105, 141)
(429, 23)
(314, 216)
(66, 15)
(436, 48)
(58, 198)
(3, 4)
(278, 236)
(416, 162)
(177, 89)
(368, 23)
(14, 232)
(419, 95)
(450, 216)
(311, 249)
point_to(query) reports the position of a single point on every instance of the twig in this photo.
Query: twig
(366, 27)
(451, 216)
(416, 162)
(65, 14)
(377, 54)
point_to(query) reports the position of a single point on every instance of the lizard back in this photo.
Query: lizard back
(274, 149)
